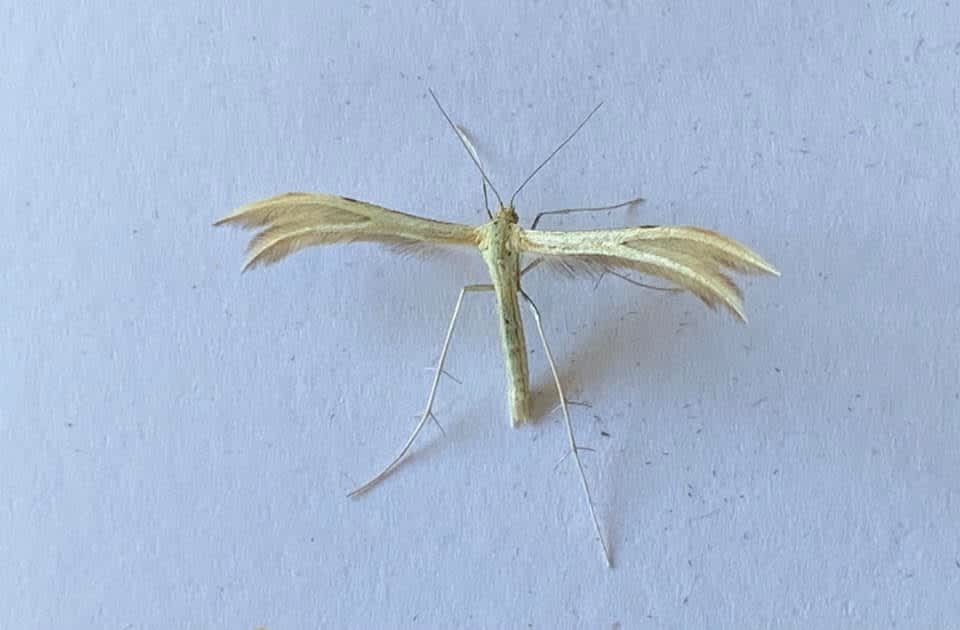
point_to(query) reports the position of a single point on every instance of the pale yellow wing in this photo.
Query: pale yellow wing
(292, 221)
(692, 258)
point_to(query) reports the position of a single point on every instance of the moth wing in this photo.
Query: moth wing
(292, 221)
(692, 258)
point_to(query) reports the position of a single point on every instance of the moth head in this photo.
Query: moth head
(506, 213)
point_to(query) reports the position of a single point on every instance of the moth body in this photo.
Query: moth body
(499, 245)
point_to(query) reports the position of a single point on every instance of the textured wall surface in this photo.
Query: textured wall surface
(178, 439)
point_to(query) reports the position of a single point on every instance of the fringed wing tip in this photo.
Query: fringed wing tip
(256, 215)
(711, 252)
(704, 244)
(728, 294)
(250, 214)
(251, 263)
(737, 311)
(759, 265)
(235, 217)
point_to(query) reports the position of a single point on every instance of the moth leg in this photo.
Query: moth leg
(428, 412)
(574, 449)
(625, 278)
(536, 262)
(533, 265)
(626, 204)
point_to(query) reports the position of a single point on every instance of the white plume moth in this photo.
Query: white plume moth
(690, 258)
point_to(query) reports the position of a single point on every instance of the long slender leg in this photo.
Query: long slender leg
(428, 412)
(574, 449)
(533, 265)
(637, 283)
(625, 204)
(536, 262)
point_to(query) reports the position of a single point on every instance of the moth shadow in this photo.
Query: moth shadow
(600, 352)
(666, 331)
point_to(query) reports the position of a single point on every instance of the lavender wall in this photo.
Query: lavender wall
(178, 439)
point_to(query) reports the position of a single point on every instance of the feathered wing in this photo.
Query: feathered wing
(292, 221)
(691, 258)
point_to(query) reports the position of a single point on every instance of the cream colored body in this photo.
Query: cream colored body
(499, 245)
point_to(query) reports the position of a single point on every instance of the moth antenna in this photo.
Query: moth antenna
(466, 146)
(486, 201)
(555, 151)
(465, 137)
